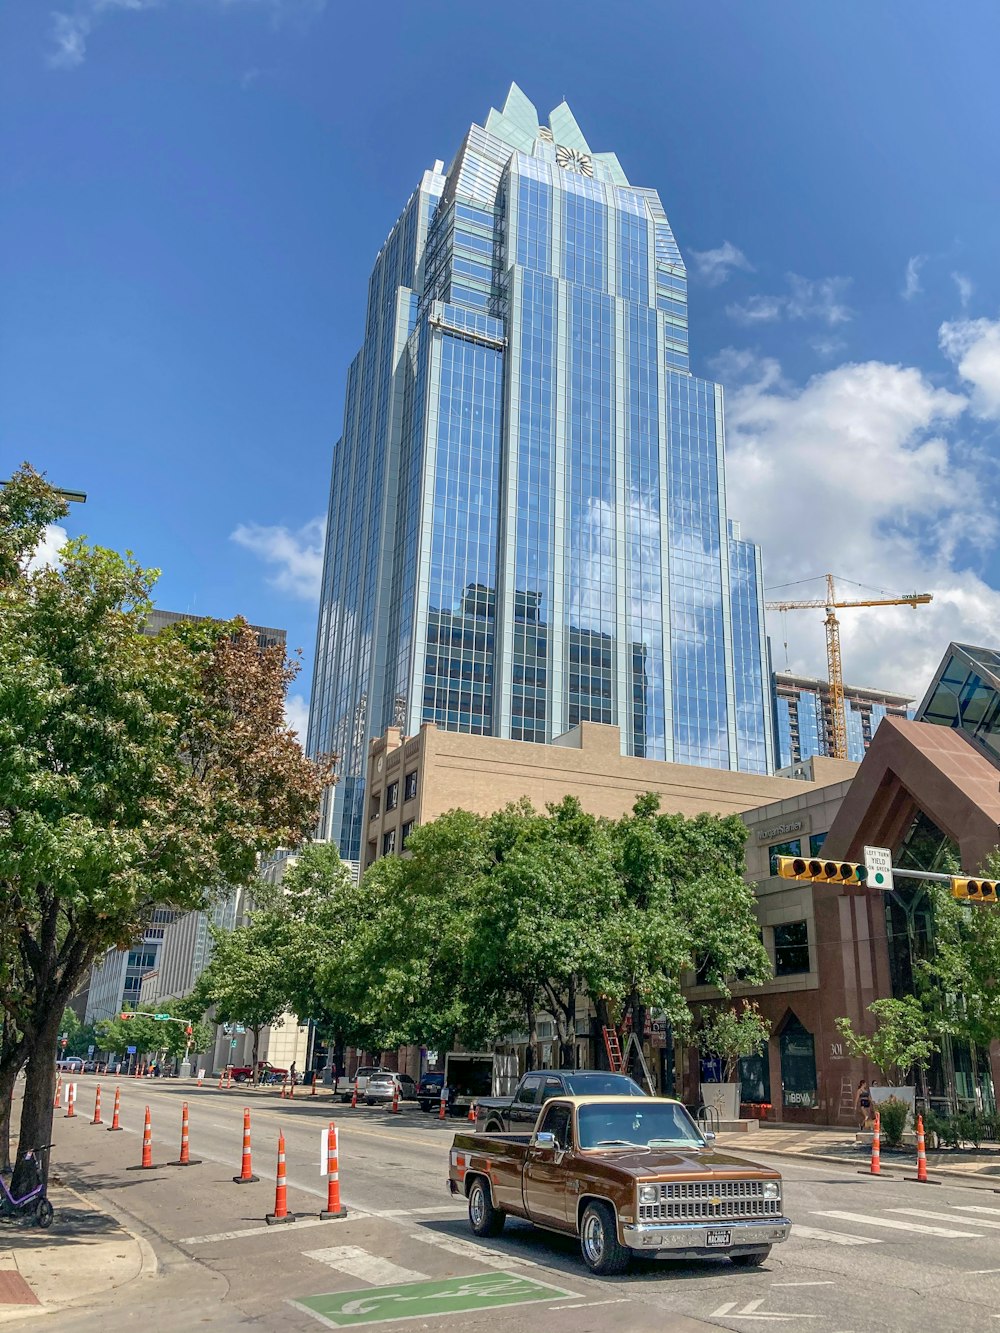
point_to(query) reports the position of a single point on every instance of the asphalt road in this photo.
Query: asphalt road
(864, 1254)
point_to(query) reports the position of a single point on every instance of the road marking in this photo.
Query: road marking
(413, 1212)
(830, 1237)
(485, 1254)
(356, 1262)
(803, 1284)
(752, 1310)
(976, 1208)
(251, 1231)
(980, 1272)
(894, 1225)
(409, 1300)
(585, 1305)
(946, 1217)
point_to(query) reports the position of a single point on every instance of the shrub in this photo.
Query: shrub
(892, 1119)
(970, 1129)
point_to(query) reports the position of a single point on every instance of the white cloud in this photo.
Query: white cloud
(715, 266)
(70, 30)
(911, 282)
(820, 299)
(46, 554)
(297, 715)
(297, 557)
(974, 346)
(859, 473)
(964, 287)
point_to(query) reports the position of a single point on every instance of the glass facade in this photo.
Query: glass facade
(965, 694)
(804, 721)
(527, 522)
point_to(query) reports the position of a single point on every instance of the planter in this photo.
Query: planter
(882, 1092)
(724, 1097)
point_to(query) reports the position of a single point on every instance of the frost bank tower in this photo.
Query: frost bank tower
(527, 524)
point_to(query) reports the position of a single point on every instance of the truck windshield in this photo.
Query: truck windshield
(648, 1124)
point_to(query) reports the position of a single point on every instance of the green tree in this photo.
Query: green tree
(135, 771)
(733, 1033)
(246, 981)
(901, 1039)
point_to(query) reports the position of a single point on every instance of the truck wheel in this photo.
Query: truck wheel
(602, 1252)
(484, 1219)
(750, 1260)
(494, 1127)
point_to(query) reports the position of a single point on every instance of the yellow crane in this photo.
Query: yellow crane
(836, 673)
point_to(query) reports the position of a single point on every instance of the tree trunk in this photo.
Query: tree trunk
(39, 1089)
(531, 1022)
(603, 1021)
(256, 1049)
(567, 1039)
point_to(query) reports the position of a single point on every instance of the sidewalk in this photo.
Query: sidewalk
(85, 1254)
(838, 1145)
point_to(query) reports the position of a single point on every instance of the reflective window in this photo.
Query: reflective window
(791, 948)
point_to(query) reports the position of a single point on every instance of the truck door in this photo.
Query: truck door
(524, 1109)
(547, 1200)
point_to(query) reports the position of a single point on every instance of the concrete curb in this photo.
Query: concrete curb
(967, 1178)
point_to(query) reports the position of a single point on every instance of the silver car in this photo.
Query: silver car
(381, 1088)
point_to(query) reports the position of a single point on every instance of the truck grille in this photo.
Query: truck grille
(710, 1201)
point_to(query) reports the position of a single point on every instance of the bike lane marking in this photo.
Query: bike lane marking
(360, 1263)
(421, 1300)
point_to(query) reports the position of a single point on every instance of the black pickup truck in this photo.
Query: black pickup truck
(500, 1115)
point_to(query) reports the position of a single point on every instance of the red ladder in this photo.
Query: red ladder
(614, 1050)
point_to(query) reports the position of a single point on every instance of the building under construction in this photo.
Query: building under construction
(804, 717)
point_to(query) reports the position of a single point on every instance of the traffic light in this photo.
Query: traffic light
(822, 872)
(125, 1014)
(189, 1031)
(974, 890)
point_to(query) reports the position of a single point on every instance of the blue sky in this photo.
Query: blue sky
(194, 191)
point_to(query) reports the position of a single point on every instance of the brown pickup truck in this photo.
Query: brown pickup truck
(626, 1175)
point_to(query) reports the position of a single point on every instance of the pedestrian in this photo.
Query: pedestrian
(863, 1103)
(291, 1074)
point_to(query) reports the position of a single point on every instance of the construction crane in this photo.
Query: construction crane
(836, 673)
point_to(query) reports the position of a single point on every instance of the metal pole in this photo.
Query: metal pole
(925, 874)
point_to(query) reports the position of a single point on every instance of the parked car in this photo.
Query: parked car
(70, 1064)
(90, 1066)
(266, 1073)
(625, 1175)
(429, 1091)
(345, 1086)
(497, 1114)
(382, 1087)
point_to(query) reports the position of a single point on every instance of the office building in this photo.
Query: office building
(527, 525)
(804, 721)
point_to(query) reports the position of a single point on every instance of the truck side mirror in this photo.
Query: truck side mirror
(543, 1139)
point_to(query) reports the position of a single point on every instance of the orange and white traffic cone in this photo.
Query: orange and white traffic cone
(147, 1146)
(472, 1113)
(185, 1158)
(354, 1096)
(334, 1208)
(246, 1176)
(229, 1078)
(876, 1166)
(97, 1107)
(57, 1099)
(201, 1078)
(314, 1082)
(70, 1101)
(395, 1097)
(443, 1108)
(921, 1177)
(281, 1213)
(114, 1118)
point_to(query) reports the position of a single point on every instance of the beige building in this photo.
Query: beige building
(413, 780)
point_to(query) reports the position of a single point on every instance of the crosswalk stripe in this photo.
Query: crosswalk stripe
(893, 1224)
(830, 1237)
(947, 1217)
(976, 1208)
(359, 1263)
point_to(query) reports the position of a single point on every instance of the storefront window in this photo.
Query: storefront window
(798, 1065)
(755, 1079)
(793, 848)
(816, 841)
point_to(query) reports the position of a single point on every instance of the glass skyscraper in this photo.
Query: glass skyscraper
(527, 522)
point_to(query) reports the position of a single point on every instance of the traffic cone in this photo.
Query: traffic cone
(147, 1147)
(97, 1108)
(876, 1166)
(281, 1213)
(472, 1113)
(114, 1119)
(57, 1099)
(221, 1077)
(201, 1078)
(314, 1082)
(354, 1096)
(185, 1158)
(395, 1097)
(443, 1108)
(246, 1176)
(70, 1101)
(921, 1177)
(334, 1208)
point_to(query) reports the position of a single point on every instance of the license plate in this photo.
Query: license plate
(716, 1237)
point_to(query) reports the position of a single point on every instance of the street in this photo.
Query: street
(864, 1254)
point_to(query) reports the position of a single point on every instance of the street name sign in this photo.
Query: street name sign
(878, 861)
